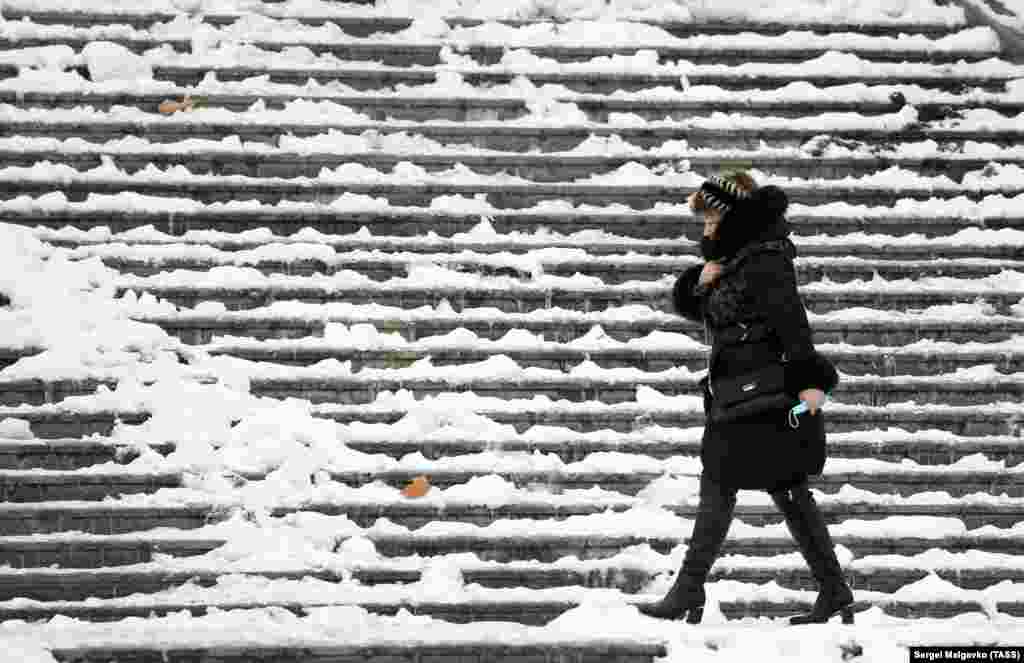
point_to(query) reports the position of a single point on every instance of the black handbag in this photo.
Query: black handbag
(740, 396)
(752, 393)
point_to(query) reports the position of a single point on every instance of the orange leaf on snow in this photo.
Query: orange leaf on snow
(170, 106)
(418, 487)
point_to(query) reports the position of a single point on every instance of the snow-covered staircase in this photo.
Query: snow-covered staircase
(498, 214)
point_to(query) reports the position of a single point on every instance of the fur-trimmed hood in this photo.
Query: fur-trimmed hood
(760, 218)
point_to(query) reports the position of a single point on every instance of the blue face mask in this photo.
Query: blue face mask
(799, 409)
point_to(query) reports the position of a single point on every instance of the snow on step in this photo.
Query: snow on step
(334, 630)
(243, 287)
(640, 521)
(247, 452)
(1006, 282)
(365, 346)
(605, 473)
(438, 594)
(628, 570)
(369, 503)
(632, 183)
(600, 36)
(602, 75)
(956, 323)
(933, 446)
(562, 53)
(333, 381)
(974, 314)
(483, 237)
(80, 550)
(943, 18)
(456, 219)
(303, 118)
(454, 99)
(925, 447)
(307, 156)
(994, 419)
(131, 404)
(306, 259)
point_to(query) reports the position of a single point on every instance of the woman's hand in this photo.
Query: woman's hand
(814, 398)
(710, 273)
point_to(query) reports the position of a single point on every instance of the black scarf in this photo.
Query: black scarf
(725, 301)
(737, 230)
(732, 264)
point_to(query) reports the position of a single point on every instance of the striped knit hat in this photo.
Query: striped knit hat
(723, 192)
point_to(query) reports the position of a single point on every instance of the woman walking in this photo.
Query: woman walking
(746, 295)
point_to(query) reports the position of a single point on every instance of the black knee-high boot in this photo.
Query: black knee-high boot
(807, 525)
(714, 516)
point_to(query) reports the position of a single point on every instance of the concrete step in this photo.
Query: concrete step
(202, 330)
(526, 298)
(876, 361)
(113, 518)
(634, 580)
(69, 454)
(514, 137)
(567, 326)
(873, 392)
(78, 585)
(75, 585)
(51, 421)
(886, 362)
(319, 652)
(537, 612)
(71, 550)
(934, 448)
(599, 250)
(396, 73)
(514, 196)
(140, 261)
(319, 386)
(86, 484)
(923, 448)
(428, 52)
(410, 223)
(363, 25)
(462, 109)
(957, 483)
(28, 519)
(535, 167)
(995, 419)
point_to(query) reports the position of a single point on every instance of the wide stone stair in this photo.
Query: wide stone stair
(397, 227)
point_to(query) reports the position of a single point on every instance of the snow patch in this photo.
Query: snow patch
(109, 62)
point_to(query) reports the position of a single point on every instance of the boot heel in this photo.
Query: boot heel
(847, 614)
(695, 615)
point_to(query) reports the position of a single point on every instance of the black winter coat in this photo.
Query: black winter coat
(763, 451)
